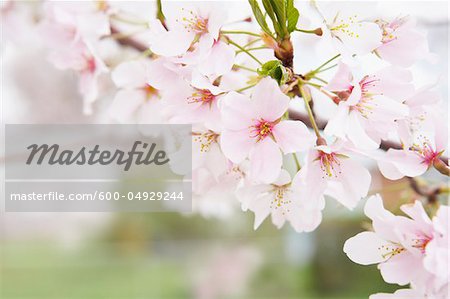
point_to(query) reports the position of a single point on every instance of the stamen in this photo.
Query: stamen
(206, 140)
(195, 23)
(203, 96)
(421, 243)
(150, 91)
(329, 163)
(425, 150)
(388, 251)
(365, 106)
(279, 201)
(261, 129)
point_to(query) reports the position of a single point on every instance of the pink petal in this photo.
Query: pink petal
(351, 185)
(270, 102)
(401, 268)
(219, 61)
(338, 123)
(357, 134)
(342, 79)
(130, 74)
(173, 42)
(293, 136)
(407, 163)
(160, 76)
(265, 161)
(237, 111)
(125, 104)
(235, 145)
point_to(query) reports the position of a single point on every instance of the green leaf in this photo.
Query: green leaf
(259, 16)
(275, 70)
(279, 8)
(269, 10)
(292, 16)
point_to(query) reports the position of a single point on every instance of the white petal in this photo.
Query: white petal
(236, 111)
(235, 145)
(270, 102)
(357, 135)
(265, 161)
(402, 268)
(130, 74)
(125, 104)
(293, 136)
(364, 249)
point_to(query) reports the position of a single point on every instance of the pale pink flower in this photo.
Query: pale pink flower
(199, 26)
(403, 44)
(67, 23)
(253, 129)
(136, 101)
(213, 194)
(346, 28)
(369, 106)
(422, 135)
(89, 67)
(330, 170)
(194, 102)
(212, 62)
(284, 200)
(206, 152)
(399, 245)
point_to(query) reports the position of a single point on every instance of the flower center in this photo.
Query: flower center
(195, 23)
(388, 251)
(343, 26)
(206, 140)
(365, 105)
(389, 29)
(90, 64)
(150, 91)
(261, 129)
(329, 163)
(425, 150)
(421, 243)
(280, 201)
(203, 96)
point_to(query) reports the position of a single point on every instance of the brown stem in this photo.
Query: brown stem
(429, 193)
(128, 41)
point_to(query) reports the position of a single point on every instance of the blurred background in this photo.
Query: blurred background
(169, 255)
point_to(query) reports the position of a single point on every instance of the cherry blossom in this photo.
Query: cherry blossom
(399, 245)
(231, 81)
(422, 134)
(347, 30)
(136, 101)
(200, 25)
(403, 44)
(89, 67)
(369, 106)
(253, 129)
(195, 102)
(332, 171)
(284, 201)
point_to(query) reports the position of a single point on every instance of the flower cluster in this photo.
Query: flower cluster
(237, 83)
(254, 102)
(408, 250)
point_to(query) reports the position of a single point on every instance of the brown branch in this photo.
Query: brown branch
(128, 41)
(430, 193)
